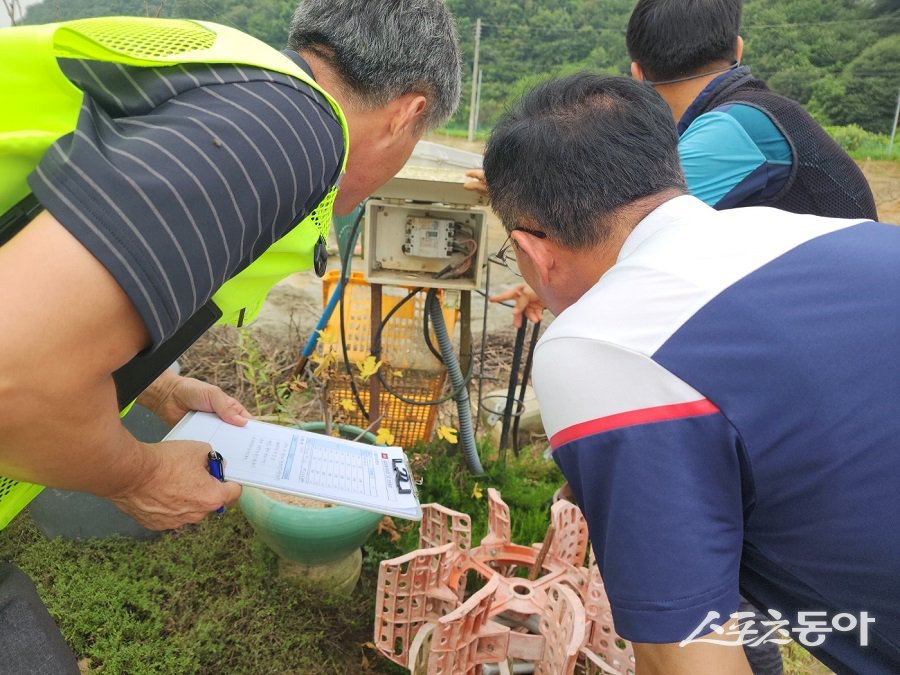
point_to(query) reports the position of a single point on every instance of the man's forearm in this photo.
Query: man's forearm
(70, 440)
(694, 658)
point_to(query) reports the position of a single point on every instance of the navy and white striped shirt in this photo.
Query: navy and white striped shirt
(176, 178)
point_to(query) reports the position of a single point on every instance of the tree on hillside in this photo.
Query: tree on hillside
(866, 92)
(795, 45)
(802, 48)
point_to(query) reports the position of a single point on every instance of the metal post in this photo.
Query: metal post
(465, 332)
(477, 101)
(894, 128)
(474, 80)
(374, 384)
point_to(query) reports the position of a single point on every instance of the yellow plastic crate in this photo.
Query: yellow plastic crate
(408, 365)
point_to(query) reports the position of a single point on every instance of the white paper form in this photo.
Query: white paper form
(311, 465)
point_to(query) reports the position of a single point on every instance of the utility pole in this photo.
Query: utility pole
(477, 102)
(894, 128)
(473, 102)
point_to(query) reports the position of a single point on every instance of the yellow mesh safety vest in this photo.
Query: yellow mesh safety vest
(40, 104)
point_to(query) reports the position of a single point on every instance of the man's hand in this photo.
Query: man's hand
(172, 397)
(476, 182)
(173, 486)
(527, 303)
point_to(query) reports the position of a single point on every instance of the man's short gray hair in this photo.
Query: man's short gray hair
(383, 49)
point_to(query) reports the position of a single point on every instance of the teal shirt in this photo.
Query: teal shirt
(733, 155)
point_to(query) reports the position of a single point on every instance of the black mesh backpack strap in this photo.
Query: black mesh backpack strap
(136, 375)
(18, 216)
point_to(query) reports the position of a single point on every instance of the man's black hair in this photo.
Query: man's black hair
(575, 150)
(674, 38)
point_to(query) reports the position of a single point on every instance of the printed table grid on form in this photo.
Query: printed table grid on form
(336, 467)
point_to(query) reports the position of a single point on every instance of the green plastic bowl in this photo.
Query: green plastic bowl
(310, 536)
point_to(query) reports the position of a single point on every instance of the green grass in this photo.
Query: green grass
(207, 598)
(798, 661)
(876, 152)
(202, 600)
(462, 132)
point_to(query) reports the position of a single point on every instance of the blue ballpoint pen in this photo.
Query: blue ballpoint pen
(215, 468)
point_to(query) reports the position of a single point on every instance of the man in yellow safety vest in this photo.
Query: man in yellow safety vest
(158, 176)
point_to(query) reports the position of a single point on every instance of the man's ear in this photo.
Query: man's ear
(407, 113)
(540, 253)
(637, 72)
(738, 49)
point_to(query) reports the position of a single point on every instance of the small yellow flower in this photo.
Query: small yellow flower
(347, 404)
(477, 492)
(323, 363)
(398, 374)
(327, 337)
(384, 436)
(448, 434)
(368, 367)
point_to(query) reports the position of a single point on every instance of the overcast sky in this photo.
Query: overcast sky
(4, 17)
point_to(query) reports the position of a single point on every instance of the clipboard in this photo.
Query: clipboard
(297, 462)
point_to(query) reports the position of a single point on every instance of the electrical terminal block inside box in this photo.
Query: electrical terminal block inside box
(429, 237)
(419, 244)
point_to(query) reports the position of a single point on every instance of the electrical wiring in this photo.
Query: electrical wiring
(526, 373)
(465, 245)
(431, 296)
(484, 314)
(468, 247)
(502, 302)
(345, 276)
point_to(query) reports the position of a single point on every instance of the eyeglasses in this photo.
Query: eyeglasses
(507, 254)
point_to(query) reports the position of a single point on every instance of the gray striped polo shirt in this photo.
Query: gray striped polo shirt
(177, 178)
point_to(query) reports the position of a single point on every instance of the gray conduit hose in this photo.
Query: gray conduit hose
(460, 391)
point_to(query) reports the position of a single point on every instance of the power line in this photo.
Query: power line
(821, 23)
(587, 28)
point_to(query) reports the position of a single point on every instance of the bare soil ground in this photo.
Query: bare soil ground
(884, 179)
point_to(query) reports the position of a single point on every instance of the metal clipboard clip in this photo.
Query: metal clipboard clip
(405, 483)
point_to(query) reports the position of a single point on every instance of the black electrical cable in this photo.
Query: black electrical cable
(345, 276)
(409, 296)
(484, 315)
(511, 305)
(436, 401)
(511, 390)
(526, 373)
(426, 332)
(381, 378)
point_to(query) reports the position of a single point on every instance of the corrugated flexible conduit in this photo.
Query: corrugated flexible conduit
(460, 390)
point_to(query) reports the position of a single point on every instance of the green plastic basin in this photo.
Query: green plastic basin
(310, 536)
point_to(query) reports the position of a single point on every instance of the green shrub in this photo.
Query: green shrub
(861, 144)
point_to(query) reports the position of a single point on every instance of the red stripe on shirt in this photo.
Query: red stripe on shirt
(658, 413)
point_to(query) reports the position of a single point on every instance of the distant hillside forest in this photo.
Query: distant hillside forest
(840, 58)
